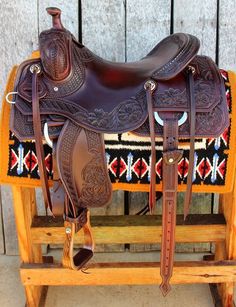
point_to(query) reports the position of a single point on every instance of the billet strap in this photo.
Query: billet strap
(77, 261)
(150, 87)
(171, 156)
(36, 70)
(192, 113)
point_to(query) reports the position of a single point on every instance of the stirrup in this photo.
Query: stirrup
(77, 261)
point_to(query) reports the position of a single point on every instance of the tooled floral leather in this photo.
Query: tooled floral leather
(208, 124)
(94, 187)
(207, 92)
(210, 100)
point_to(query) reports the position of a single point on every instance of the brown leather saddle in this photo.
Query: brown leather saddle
(71, 97)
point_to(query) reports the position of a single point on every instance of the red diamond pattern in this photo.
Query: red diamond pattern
(140, 168)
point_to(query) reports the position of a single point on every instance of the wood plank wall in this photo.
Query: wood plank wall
(119, 30)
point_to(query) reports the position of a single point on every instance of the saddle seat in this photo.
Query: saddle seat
(108, 83)
(163, 62)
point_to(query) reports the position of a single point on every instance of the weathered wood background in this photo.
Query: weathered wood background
(119, 30)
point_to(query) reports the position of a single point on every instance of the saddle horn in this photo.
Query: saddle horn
(56, 17)
(55, 48)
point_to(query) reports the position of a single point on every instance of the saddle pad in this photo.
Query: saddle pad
(128, 156)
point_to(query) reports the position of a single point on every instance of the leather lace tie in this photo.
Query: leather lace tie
(150, 87)
(192, 113)
(36, 70)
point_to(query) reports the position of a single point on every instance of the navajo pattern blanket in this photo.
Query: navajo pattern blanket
(128, 156)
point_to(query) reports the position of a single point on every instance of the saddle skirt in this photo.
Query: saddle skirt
(171, 93)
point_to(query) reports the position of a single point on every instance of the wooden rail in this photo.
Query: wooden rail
(128, 273)
(135, 229)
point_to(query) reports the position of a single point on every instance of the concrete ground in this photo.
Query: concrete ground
(12, 293)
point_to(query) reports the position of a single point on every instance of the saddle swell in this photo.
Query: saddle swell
(170, 93)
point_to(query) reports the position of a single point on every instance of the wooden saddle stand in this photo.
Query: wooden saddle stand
(70, 97)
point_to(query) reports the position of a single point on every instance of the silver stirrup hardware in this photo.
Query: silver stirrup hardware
(181, 121)
(46, 135)
(10, 94)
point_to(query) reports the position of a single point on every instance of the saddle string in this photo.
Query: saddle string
(150, 87)
(35, 70)
(191, 71)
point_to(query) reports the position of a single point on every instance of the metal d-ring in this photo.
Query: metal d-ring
(46, 135)
(181, 121)
(9, 94)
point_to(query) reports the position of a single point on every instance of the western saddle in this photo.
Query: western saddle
(70, 97)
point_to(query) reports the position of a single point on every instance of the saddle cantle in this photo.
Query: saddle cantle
(72, 96)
